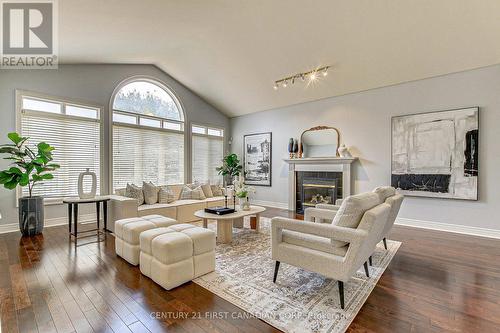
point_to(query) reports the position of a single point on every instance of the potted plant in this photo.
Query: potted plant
(28, 168)
(242, 191)
(231, 167)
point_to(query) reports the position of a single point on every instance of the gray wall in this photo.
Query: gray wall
(95, 84)
(364, 120)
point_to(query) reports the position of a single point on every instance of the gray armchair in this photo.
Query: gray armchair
(335, 250)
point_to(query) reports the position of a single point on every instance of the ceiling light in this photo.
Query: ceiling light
(312, 75)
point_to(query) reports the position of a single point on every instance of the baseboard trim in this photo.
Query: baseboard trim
(272, 204)
(454, 228)
(12, 227)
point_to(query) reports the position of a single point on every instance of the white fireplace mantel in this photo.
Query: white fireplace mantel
(323, 164)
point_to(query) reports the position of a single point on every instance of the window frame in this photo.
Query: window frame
(112, 111)
(20, 94)
(207, 127)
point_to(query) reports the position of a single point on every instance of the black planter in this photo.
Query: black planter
(31, 216)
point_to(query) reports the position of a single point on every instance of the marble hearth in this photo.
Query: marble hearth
(324, 167)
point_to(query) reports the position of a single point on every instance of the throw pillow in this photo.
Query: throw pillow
(198, 194)
(216, 190)
(150, 191)
(134, 191)
(352, 210)
(207, 190)
(384, 192)
(166, 195)
(189, 194)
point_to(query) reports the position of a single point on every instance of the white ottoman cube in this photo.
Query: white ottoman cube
(177, 254)
(127, 233)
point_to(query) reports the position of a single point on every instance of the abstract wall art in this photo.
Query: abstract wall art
(257, 159)
(436, 154)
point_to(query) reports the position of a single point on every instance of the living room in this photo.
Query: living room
(227, 166)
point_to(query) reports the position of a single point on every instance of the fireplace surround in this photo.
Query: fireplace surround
(324, 178)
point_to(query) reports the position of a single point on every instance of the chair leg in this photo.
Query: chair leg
(385, 243)
(341, 294)
(366, 269)
(370, 261)
(276, 268)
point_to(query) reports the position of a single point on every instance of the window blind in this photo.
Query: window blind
(142, 154)
(77, 146)
(207, 155)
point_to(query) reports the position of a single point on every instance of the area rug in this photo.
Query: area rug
(300, 300)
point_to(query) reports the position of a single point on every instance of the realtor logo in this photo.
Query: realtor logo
(28, 34)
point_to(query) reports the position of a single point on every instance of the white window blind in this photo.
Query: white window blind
(207, 154)
(144, 154)
(76, 140)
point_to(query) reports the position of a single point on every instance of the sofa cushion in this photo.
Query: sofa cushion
(313, 242)
(166, 195)
(185, 202)
(135, 192)
(150, 192)
(384, 192)
(207, 190)
(353, 208)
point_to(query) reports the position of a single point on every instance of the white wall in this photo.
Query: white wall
(94, 84)
(364, 120)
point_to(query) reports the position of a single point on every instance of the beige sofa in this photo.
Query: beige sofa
(121, 207)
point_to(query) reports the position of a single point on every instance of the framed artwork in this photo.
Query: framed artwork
(436, 154)
(257, 160)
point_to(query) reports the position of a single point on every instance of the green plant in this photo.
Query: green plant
(28, 168)
(230, 166)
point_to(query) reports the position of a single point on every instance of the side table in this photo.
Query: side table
(73, 216)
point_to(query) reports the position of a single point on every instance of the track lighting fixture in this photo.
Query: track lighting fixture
(312, 76)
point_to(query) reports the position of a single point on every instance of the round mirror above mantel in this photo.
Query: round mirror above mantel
(319, 141)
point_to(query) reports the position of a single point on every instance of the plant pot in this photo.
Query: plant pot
(31, 216)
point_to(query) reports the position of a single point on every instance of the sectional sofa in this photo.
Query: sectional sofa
(121, 207)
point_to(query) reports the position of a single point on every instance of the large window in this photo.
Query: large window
(207, 153)
(74, 131)
(148, 135)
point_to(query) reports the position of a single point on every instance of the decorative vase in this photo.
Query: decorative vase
(343, 151)
(290, 147)
(81, 193)
(244, 203)
(31, 216)
(295, 148)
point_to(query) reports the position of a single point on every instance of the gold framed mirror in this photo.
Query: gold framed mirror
(319, 141)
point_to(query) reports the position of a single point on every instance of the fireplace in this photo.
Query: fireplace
(315, 187)
(325, 179)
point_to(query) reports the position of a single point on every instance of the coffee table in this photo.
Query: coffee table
(225, 222)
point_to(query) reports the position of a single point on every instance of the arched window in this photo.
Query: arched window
(148, 134)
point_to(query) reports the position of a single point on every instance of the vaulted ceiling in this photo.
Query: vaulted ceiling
(231, 51)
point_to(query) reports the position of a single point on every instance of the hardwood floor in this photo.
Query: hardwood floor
(437, 282)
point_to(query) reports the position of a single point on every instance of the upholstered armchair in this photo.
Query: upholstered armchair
(337, 249)
(386, 194)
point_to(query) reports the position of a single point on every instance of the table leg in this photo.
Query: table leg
(105, 213)
(70, 216)
(98, 213)
(75, 218)
(224, 231)
(257, 222)
(205, 223)
(238, 223)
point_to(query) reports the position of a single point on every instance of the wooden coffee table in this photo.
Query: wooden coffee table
(225, 222)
